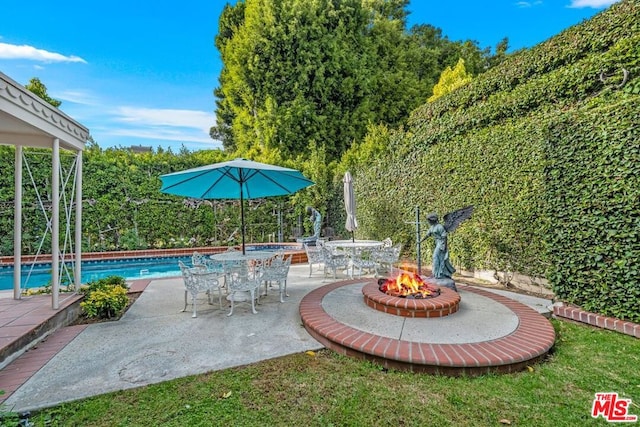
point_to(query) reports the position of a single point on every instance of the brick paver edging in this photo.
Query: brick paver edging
(529, 343)
(16, 373)
(446, 303)
(593, 319)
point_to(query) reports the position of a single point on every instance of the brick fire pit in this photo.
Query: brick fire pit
(444, 304)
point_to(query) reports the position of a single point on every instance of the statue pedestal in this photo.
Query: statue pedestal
(444, 282)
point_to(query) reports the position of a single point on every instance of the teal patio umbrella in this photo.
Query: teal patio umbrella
(237, 179)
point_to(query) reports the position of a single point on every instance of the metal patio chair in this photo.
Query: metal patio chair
(198, 280)
(197, 259)
(388, 256)
(363, 259)
(277, 270)
(243, 283)
(333, 261)
(314, 256)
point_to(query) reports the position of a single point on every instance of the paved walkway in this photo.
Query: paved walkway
(155, 341)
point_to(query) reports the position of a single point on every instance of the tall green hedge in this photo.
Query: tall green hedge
(593, 195)
(534, 144)
(497, 169)
(123, 208)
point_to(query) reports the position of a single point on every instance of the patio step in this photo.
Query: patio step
(26, 322)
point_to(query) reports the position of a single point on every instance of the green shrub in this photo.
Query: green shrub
(104, 283)
(105, 298)
(7, 417)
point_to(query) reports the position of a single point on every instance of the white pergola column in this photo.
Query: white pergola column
(55, 225)
(17, 225)
(26, 120)
(77, 276)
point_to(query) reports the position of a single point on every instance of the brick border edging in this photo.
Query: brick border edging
(48, 347)
(530, 342)
(299, 255)
(20, 370)
(442, 305)
(611, 323)
(12, 348)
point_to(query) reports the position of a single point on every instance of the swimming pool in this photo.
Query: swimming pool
(130, 269)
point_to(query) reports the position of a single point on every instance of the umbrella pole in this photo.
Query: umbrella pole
(242, 218)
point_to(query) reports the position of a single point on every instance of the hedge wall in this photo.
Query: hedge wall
(503, 142)
(498, 169)
(593, 195)
(123, 207)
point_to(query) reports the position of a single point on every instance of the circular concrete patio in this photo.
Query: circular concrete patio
(489, 333)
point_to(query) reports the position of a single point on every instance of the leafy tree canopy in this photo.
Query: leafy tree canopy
(302, 73)
(37, 87)
(450, 80)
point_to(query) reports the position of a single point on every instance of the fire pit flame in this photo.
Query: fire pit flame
(408, 285)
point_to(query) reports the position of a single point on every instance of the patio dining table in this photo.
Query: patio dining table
(351, 246)
(252, 258)
(354, 244)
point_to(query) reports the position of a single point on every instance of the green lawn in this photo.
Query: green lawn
(325, 389)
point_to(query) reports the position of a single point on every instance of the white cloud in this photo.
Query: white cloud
(160, 134)
(595, 4)
(523, 4)
(164, 124)
(167, 117)
(77, 97)
(12, 51)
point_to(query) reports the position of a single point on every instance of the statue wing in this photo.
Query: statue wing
(453, 219)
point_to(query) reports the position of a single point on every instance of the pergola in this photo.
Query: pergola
(28, 121)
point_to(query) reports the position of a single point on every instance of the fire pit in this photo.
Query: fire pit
(410, 296)
(408, 285)
(427, 345)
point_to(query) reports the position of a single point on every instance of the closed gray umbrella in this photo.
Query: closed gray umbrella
(350, 205)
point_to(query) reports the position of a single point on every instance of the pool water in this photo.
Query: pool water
(130, 269)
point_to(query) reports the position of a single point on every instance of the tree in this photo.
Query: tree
(295, 73)
(302, 73)
(501, 53)
(37, 87)
(450, 80)
(394, 86)
(389, 10)
(231, 18)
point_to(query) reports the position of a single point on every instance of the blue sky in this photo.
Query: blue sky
(144, 74)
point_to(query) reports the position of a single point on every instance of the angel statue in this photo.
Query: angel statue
(441, 269)
(316, 218)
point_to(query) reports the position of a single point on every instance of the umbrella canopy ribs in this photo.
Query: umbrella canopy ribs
(236, 179)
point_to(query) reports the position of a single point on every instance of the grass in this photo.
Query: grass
(326, 389)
